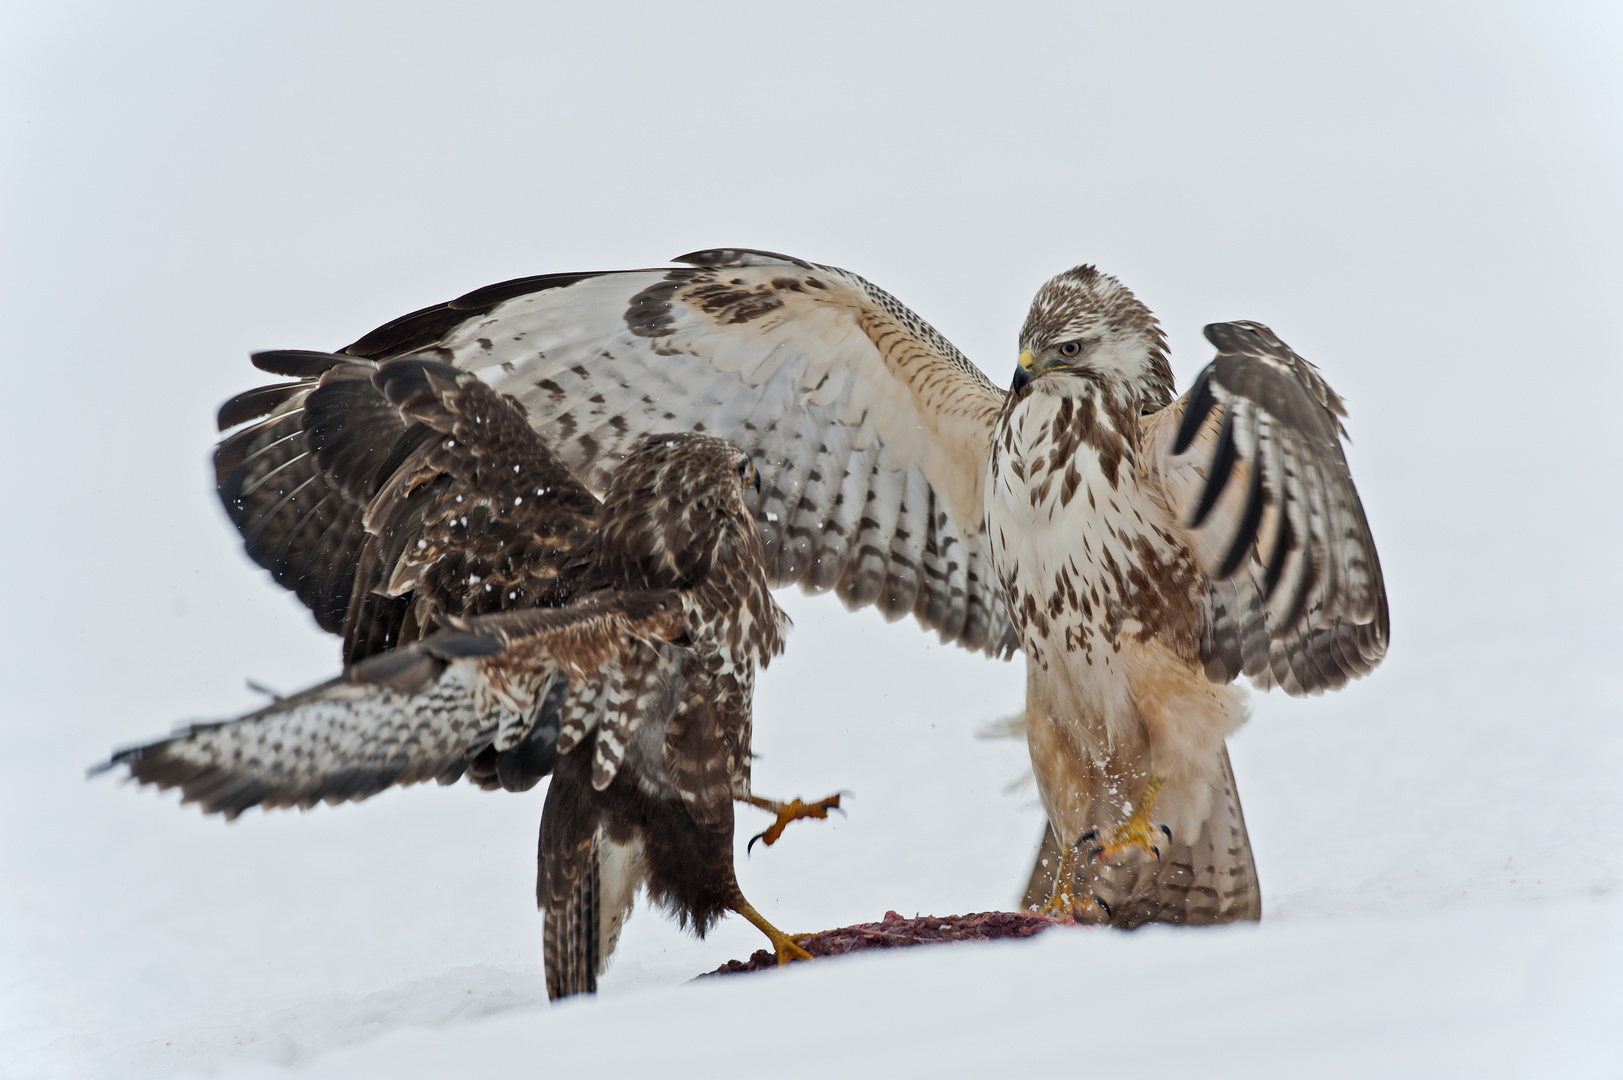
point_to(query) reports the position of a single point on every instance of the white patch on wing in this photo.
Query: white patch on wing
(843, 367)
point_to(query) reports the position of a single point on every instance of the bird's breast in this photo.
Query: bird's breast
(1086, 559)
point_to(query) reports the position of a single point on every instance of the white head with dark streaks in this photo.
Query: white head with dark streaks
(1088, 322)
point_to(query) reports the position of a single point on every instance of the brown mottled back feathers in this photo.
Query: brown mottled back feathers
(472, 526)
(394, 495)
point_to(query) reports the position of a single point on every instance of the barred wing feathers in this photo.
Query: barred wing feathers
(383, 493)
(1251, 464)
(869, 429)
(295, 521)
(512, 682)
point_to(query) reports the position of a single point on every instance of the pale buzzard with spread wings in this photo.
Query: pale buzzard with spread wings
(1143, 552)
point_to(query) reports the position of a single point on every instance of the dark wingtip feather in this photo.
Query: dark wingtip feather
(1222, 467)
(252, 404)
(297, 363)
(737, 257)
(426, 327)
(1228, 336)
(1201, 403)
(489, 296)
(120, 758)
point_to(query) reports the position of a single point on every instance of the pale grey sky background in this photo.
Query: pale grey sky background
(1424, 199)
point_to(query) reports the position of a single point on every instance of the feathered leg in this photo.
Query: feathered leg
(1199, 880)
(1138, 831)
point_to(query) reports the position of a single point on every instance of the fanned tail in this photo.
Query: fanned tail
(1209, 880)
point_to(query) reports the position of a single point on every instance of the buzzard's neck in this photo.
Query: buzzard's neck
(1064, 412)
(737, 609)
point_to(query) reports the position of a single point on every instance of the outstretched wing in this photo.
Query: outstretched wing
(296, 521)
(1251, 465)
(507, 685)
(870, 430)
(390, 496)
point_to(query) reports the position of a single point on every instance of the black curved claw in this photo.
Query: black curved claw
(1097, 899)
(843, 795)
(1088, 838)
(1167, 831)
(749, 847)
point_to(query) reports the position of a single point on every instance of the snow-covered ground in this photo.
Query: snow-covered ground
(1426, 202)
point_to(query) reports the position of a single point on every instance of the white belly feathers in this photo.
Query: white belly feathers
(1104, 596)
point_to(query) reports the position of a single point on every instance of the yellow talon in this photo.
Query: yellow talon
(1136, 832)
(783, 944)
(1063, 903)
(793, 810)
(1060, 902)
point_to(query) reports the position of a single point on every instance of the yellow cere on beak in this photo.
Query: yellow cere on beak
(1027, 361)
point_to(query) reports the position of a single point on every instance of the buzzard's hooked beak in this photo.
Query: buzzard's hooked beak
(753, 478)
(1024, 371)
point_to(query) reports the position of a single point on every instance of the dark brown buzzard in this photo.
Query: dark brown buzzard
(503, 624)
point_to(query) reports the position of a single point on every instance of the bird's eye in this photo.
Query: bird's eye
(748, 475)
(1070, 349)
